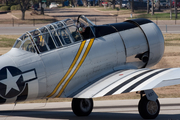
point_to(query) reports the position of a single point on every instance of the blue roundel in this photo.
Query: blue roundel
(11, 82)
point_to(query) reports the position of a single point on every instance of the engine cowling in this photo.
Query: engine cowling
(143, 42)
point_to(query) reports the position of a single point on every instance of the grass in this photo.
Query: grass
(159, 16)
(172, 39)
(108, 9)
(122, 11)
(7, 40)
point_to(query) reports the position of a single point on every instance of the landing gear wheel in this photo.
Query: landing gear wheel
(82, 107)
(148, 109)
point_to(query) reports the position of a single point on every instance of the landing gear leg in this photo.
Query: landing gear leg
(148, 109)
(82, 107)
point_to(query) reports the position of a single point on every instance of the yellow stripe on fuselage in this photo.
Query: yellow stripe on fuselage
(69, 70)
(78, 66)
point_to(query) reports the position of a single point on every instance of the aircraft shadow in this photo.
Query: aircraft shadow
(70, 115)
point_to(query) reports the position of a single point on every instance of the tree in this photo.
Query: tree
(170, 9)
(175, 7)
(147, 6)
(100, 3)
(113, 3)
(159, 7)
(24, 4)
(72, 3)
(152, 1)
(75, 2)
(120, 4)
(5, 2)
(42, 9)
(132, 6)
(84, 2)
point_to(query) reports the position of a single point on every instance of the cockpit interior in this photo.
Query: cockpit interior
(56, 35)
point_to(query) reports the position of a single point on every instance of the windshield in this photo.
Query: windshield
(17, 44)
(49, 37)
(86, 26)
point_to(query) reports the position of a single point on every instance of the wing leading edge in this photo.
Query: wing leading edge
(129, 81)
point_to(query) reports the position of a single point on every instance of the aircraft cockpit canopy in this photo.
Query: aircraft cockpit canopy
(55, 35)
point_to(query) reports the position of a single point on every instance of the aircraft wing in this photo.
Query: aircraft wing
(129, 81)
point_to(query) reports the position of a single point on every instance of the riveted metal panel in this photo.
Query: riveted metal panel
(136, 44)
(156, 43)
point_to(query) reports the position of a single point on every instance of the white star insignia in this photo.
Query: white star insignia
(10, 82)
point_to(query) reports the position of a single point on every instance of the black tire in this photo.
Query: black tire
(82, 107)
(148, 109)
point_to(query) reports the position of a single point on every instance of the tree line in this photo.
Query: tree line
(153, 6)
(25, 4)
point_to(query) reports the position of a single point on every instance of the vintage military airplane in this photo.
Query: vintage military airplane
(56, 61)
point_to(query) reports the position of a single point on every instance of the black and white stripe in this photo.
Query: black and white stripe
(120, 84)
(143, 80)
(125, 83)
(131, 83)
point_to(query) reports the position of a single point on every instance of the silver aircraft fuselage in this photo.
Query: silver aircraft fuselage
(66, 62)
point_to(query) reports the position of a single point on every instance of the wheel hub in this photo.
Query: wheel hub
(152, 107)
(85, 105)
